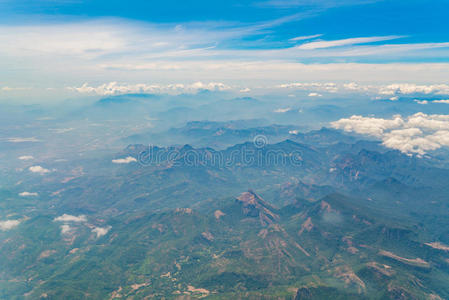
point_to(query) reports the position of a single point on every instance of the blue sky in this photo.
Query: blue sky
(54, 47)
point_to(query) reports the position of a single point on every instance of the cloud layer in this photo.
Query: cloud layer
(114, 88)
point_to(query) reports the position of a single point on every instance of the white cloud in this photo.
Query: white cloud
(308, 85)
(26, 157)
(39, 169)
(22, 140)
(114, 88)
(311, 86)
(416, 134)
(305, 37)
(245, 90)
(70, 218)
(8, 224)
(353, 86)
(126, 160)
(62, 130)
(370, 126)
(65, 229)
(9, 89)
(314, 95)
(282, 110)
(393, 91)
(422, 102)
(345, 42)
(408, 88)
(441, 101)
(101, 231)
(28, 194)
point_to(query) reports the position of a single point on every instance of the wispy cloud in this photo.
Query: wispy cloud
(314, 3)
(28, 194)
(23, 139)
(346, 42)
(61, 130)
(9, 89)
(304, 37)
(212, 53)
(26, 157)
(282, 110)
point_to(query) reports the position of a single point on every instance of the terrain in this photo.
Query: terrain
(305, 215)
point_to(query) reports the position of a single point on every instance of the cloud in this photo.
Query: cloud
(346, 42)
(445, 101)
(65, 229)
(314, 95)
(353, 86)
(70, 218)
(8, 224)
(117, 49)
(422, 102)
(370, 126)
(99, 231)
(407, 88)
(22, 140)
(392, 91)
(322, 4)
(26, 157)
(416, 134)
(28, 194)
(245, 90)
(114, 88)
(126, 160)
(305, 37)
(311, 86)
(282, 110)
(9, 89)
(39, 169)
(61, 130)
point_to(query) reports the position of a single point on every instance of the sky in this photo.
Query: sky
(52, 49)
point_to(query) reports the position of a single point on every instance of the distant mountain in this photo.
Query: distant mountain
(215, 134)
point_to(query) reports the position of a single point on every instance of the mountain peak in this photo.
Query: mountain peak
(254, 206)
